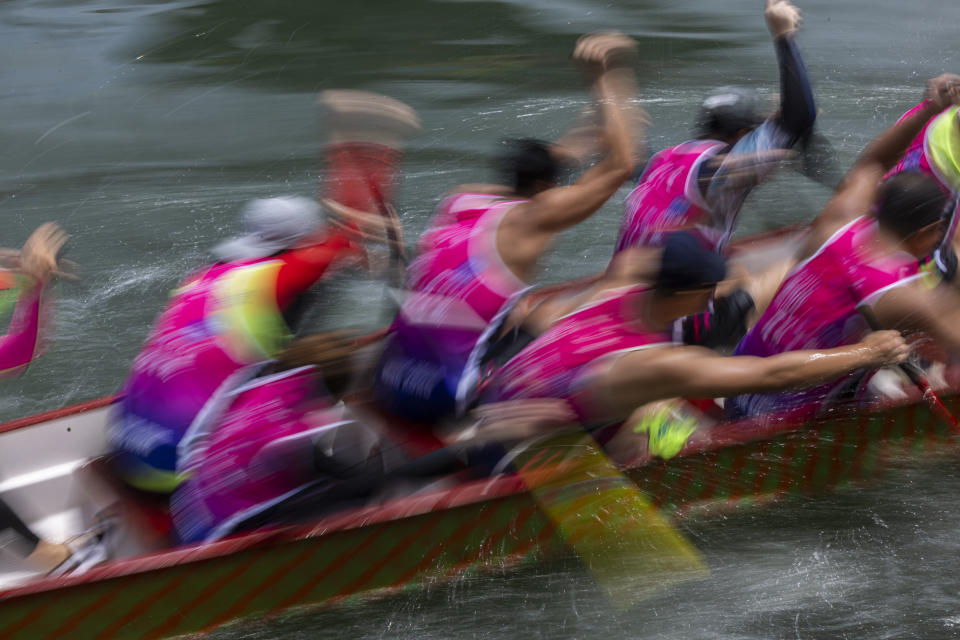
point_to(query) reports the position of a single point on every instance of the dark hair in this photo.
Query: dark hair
(908, 202)
(527, 162)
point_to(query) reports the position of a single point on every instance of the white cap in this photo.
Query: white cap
(271, 225)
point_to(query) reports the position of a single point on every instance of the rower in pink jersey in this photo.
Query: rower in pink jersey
(700, 185)
(668, 198)
(484, 245)
(458, 287)
(267, 446)
(850, 261)
(237, 474)
(556, 363)
(816, 308)
(935, 152)
(287, 446)
(613, 354)
(38, 262)
(220, 324)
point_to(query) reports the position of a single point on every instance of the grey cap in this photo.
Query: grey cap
(271, 225)
(730, 109)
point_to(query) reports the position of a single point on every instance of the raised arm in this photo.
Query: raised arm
(608, 58)
(858, 189)
(726, 179)
(638, 377)
(39, 260)
(797, 108)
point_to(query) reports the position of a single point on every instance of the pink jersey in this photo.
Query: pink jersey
(816, 308)
(458, 280)
(19, 345)
(558, 361)
(915, 158)
(458, 288)
(219, 323)
(668, 198)
(920, 154)
(234, 475)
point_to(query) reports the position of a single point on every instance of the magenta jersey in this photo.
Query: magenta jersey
(915, 158)
(208, 334)
(668, 198)
(816, 308)
(20, 344)
(458, 280)
(457, 290)
(918, 158)
(233, 476)
(559, 360)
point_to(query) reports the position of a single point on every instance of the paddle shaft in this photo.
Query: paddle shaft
(915, 374)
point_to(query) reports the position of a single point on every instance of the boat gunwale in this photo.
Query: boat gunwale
(722, 435)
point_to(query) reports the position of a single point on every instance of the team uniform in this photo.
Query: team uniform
(935, 152)
(457, 289)
(263, 447)
(219, 324)
(687, 187)
(559, 362)
(19, 345)
(816, 308)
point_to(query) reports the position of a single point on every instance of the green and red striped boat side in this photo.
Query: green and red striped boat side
(449, 532)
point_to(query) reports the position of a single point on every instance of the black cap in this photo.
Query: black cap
(687, 264)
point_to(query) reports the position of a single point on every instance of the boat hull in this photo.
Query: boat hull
(446, 533)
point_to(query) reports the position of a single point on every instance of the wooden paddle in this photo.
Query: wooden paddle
(630, 548)
(915, 374)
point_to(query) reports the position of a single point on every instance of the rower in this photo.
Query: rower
(935, 152)
(288, 446)
(38, 262)
(227, 318)
(862, 251)
(221, 322)
(615, 353)
(482, 248)
(700, 185)
(263, 440)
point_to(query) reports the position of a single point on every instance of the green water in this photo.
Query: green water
(142, 127)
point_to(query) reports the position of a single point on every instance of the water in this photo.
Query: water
(142, 127)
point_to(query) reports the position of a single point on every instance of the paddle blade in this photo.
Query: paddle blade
(630, 548)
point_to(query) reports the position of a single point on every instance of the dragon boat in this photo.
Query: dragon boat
(153, 590)
(434, 535)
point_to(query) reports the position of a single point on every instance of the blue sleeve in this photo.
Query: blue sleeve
(794, 121)
(797, 108)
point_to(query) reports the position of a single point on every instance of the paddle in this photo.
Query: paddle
(915, 374)
(630, 548)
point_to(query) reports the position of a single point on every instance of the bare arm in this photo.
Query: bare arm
(528, 230)
(560, 208)
(641, 377)
(859, 186)
(913, 308)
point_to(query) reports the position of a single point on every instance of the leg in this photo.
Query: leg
(16, 535)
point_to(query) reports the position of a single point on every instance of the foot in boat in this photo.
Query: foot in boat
(86, 550)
